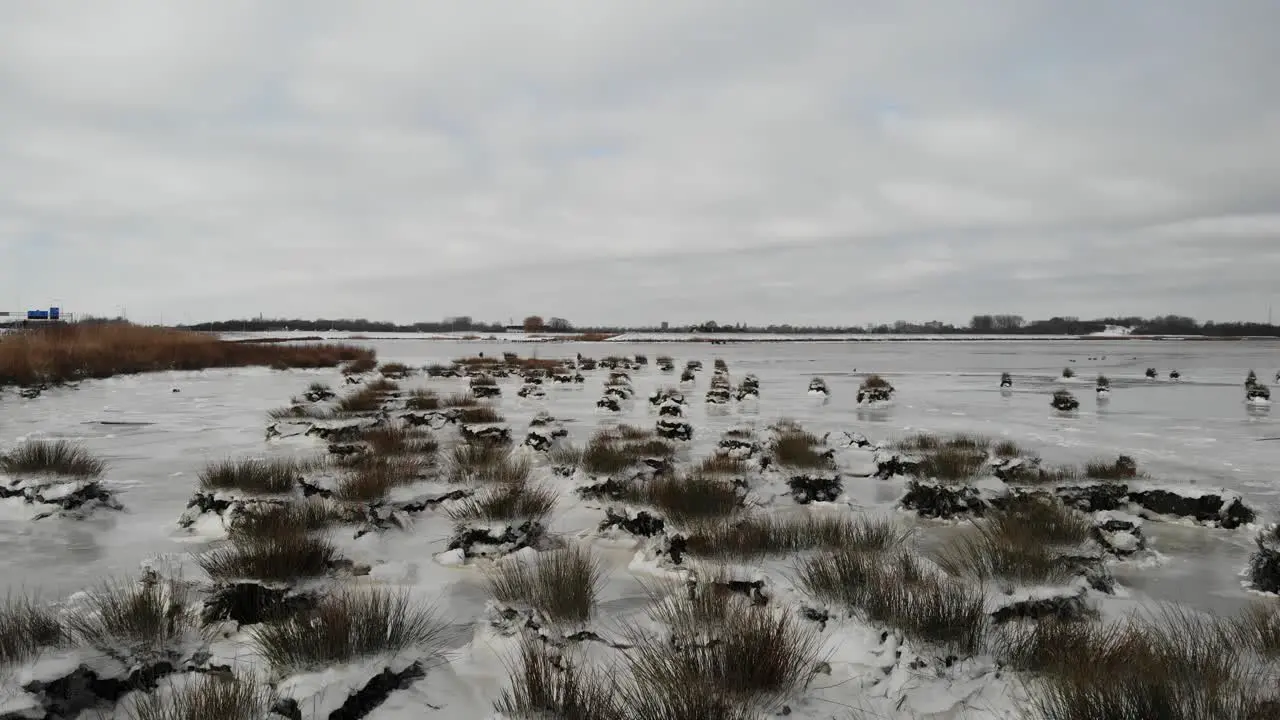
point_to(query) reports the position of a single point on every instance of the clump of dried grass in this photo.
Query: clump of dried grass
(397, 440)
(1172, 663)
(793, 447)
(26, 628)
(349, 625)
(253, 475)
(893, 589)
(207, 697)
(487, 464)
(688, 498)
(507, 502)
(371, 478)
(53, 457)
(479, 414)
(1022, 543)
(149, 616)
(759, 536)
(420, 399)
(280, 553)
(559, 585)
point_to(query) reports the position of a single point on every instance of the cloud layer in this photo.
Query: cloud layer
(737, 160)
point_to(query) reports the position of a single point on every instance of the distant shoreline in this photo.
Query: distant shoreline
(676, 338)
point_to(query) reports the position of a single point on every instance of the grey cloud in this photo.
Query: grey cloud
(821, 162)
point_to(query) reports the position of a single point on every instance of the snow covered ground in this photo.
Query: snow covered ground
(157, 431)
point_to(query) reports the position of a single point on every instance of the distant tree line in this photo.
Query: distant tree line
(979, 324)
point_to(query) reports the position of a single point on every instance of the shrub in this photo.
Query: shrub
(560, 585)
(269, 477)
(764, 536)
(507, 502)
(26, 628)
(487, 464)
(285, 556)
(148, 617)
(1103, 381)
(482, 381)
(205, 697)
(480, 414)
(57, 457)
(893, 589)
(360, 365)
(349, 625)
(421, 400)
(370, 479)
(1067, 372)
(795, 448)
(393, 440)
(62, 353)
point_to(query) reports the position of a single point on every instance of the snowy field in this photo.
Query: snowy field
(156, 432)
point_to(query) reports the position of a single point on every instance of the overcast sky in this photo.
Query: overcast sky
(811, 161)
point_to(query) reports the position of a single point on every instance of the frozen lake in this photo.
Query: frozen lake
(1196, 431)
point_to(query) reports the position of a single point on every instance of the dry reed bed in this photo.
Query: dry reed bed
(64, 353)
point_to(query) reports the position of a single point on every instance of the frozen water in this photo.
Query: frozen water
(1197, 431)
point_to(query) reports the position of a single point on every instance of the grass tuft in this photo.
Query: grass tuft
(395, 370)
(736, 655)
(894, 589)
(1019, 544)
(687, 498)
(560, 585)
(393, 440)
(267, 477)
(421, 400)
(370, 479)
(285, 555)
(765, 536)
(507, 502)
(205, 697)
(1123, 468)
(361, 365)
(26, 628)
(794, 447)
(350, 625)
(1173, 663)
(293, 518)
(479, 414)
(56, 457)
(487, 464)
(149, 616)
(546, 684)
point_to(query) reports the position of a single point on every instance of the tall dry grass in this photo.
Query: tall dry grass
(62, 353)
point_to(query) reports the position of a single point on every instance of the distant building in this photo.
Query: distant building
(666, 325)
